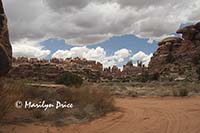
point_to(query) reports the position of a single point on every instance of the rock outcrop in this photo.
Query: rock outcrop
(178, 58)
(130, 70)
(5, 46)
(48, 70)
(36, 72)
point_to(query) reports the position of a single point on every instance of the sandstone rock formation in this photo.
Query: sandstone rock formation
(190, 32)
(48, 70)
(5, 46)
(178, 58)
(36, 72)
(130, 70)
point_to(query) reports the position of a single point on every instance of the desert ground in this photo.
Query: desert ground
(135, 115)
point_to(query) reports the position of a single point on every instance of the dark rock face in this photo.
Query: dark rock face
(5, 46)
(178, 58)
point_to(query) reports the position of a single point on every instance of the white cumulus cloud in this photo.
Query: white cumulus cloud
(29, 49)
(83, 22)
(141, 56)
(98, 54)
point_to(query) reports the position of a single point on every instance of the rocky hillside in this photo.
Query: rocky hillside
(5, 47)
(178, 58)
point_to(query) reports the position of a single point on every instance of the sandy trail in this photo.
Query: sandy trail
(137, 115)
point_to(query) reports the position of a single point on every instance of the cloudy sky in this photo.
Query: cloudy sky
(109, 31)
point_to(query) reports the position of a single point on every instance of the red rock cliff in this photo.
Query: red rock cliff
(178, 58)
(5, 46)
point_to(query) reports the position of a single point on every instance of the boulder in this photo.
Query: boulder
(5, 46)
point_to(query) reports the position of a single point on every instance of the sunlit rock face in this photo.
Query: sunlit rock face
(5, 46)
(49, 70)
(178, 58)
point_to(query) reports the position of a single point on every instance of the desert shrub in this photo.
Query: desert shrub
(31, 92)
(4, 104)
(110, 78)
(183, 92)
(37, 114)
(154, 76)
(102, 100)
(126, 79)
(93, 102)
(89, 102)
(10, 92)
(198, 72)
(144, 77)
(64, 94)
(70, 79)
(194, 87)
(132, 93)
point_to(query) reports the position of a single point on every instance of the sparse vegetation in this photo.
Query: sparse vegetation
(198, 72)
(145, 76)
(70, 79)
(10, 91)
(89, 102)
(183, 92)
(154, 76)
(180, 92)
(153, 88)
(93, 102)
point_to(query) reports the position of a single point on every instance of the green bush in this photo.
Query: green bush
(70, 79)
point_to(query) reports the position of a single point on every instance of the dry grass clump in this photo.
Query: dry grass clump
(89, 102)
(153, 88)
(93, 102)
(10, 91)
(187, 88)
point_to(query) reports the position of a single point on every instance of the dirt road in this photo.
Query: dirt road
(137, 115)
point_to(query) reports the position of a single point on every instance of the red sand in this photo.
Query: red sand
(137, 115)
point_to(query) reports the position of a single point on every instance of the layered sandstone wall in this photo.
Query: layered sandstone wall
(49, 70)
(178, 58)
